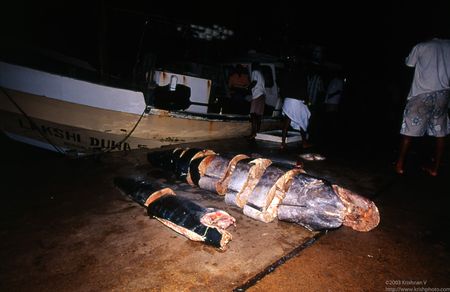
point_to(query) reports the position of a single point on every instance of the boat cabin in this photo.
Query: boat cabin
(203, 88)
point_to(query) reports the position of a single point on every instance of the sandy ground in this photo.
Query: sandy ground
(65, 227)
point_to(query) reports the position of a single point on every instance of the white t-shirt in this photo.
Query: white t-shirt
(432, 66)
(260, 87)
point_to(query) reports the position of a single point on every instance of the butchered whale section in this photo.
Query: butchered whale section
(266, 191)
(178, 213)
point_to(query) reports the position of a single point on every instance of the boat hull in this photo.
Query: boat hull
(46, 122)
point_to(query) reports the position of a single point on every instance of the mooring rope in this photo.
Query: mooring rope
(128, 135)
(32, 123)
(58, 149)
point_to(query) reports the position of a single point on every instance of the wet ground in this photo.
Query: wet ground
(65, 227)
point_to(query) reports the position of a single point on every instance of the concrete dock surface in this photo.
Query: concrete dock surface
(66, 227)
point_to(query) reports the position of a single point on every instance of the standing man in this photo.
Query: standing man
(334, 94)
(238, 84)
(316, 94)
(258, 102)
(331, 114)
(427, 102)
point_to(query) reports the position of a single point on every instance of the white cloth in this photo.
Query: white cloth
(337, 84)
(432, 66)
(298, 112)
(260, 87)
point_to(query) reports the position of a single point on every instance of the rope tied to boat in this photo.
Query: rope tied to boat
(128, 135)
(33, 124)
(57, 148)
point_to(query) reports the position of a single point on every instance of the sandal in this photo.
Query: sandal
(307, 156)
(398, 170)
(318, 157)
(429, 171)
(307, 145)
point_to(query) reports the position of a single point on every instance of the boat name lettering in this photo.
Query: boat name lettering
(52, 131)
(108, 144)
(94, 142)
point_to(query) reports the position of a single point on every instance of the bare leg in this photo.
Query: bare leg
(305, 143)
(438, 153)
(404, 147)
(286, 123)
(258, 123)
(254, 123)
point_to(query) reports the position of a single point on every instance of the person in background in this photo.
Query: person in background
(334, 94)
(316, 87)
(316, 95)
(332, 100)
(427, 101)
(258, 89)
(238, 84)
(293, 90)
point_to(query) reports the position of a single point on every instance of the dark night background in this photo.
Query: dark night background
(370, 39)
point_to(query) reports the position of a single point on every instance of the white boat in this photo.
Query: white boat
(68, 115)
